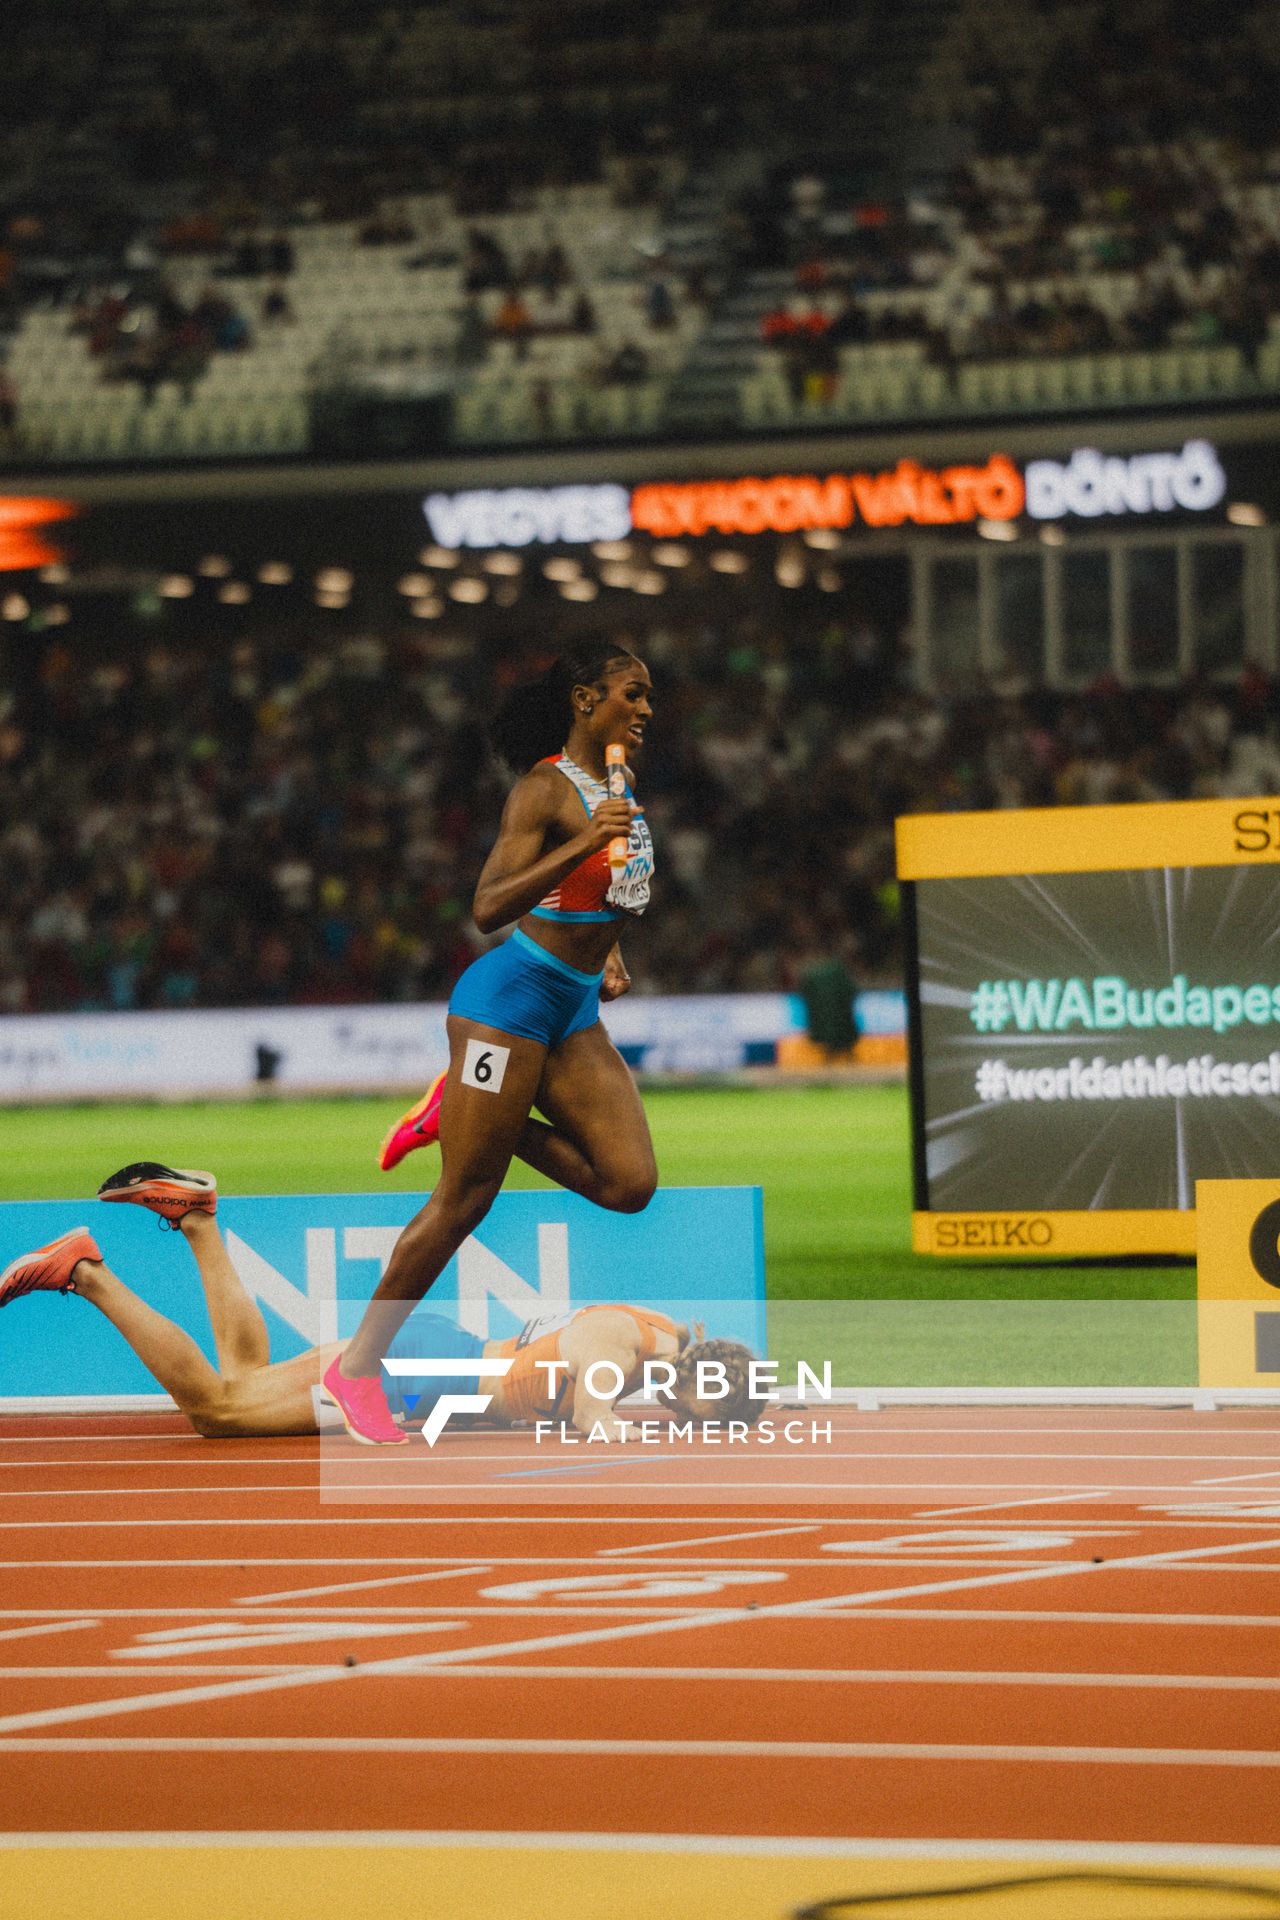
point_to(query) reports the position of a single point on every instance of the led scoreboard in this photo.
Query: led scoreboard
(1094, 1021)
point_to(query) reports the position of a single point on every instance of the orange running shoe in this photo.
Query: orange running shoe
(49, 1269)
(169, 1191)
(363, 1406)
(417, 1128)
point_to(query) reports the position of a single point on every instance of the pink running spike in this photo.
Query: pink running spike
(363, 1406)
(417, 1128)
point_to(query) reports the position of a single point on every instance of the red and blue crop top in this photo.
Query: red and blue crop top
(590, 891)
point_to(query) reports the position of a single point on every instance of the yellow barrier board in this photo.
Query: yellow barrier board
(1238, 1282)
(300, 1878)
(1173, 833)
(1026, 1233)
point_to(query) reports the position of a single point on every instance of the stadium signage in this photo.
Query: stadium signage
(789, 503)
(979, 1232)
(527, 516)
(1085, 486)
(22, 544)
(1091, 484)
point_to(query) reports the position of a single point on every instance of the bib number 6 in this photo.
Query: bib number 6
(485, 1065)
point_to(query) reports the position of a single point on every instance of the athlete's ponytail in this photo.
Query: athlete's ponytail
(534, 719)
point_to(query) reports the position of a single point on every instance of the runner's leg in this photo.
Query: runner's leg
(169, 1354)
(598, 1141)
(239, 1330)
(480, 1125)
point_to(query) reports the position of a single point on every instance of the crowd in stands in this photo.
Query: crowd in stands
(157, 337)
(1121, 192)
(1099, 186)
(290, 819)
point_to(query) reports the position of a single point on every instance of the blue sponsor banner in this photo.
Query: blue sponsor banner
(311, 1261)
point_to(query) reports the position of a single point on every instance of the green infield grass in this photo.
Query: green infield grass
(834, 1166)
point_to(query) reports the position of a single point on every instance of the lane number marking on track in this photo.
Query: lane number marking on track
(631, 1586)
(985, 1539)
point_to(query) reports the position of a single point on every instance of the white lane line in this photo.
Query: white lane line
(234, 1636)
(348, 1522)
(178, 1439)
(709, 1540)
(925, 1677)
(1027, 1616)
(1092, 1423)
(671, 1610)
(1059, 1852)
(48, 1626)
(1241, 1757)
(903, 1492)
(1233, 1479)
(831, 1491)
(188, 1668)
(549, 1643)
(996, 1506)
(353, 1586)
(178, 1492)
(574, 1609)
(819, 1676)
(901, 1456)
(216, 1458)
(843, 1523)
(866, 1556)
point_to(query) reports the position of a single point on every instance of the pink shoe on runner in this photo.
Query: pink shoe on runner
(363, 1406)
(417, 1128)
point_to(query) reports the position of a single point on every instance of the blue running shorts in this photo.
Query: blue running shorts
(521, 988)
(429, 1336)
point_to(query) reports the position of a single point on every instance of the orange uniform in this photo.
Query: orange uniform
(527, 1392)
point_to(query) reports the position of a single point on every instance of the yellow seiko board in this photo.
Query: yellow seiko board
(1148, 860)
(1238, 1282)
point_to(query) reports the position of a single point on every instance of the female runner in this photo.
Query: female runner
(524, 1020)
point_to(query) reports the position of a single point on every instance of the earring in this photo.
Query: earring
(587, 712)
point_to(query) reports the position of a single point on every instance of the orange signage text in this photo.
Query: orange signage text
(791, 503)
(22, 546)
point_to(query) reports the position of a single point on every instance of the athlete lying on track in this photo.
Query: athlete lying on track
(248, 1394)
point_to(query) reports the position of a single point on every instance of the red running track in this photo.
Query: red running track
(1027, 1625)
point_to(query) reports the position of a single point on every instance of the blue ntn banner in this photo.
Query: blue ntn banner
(311, 1261)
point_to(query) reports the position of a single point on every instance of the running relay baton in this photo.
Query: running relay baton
(615, 759)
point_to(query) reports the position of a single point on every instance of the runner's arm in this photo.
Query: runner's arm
(517, 873)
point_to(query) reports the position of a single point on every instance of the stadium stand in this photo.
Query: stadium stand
(759, 218)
